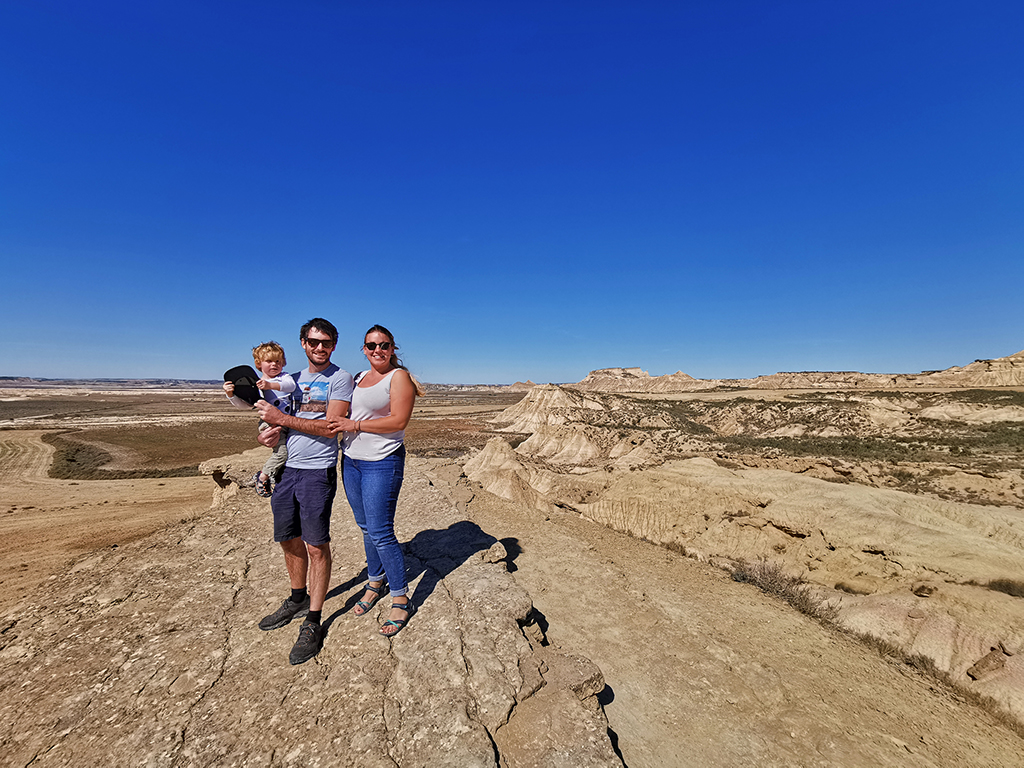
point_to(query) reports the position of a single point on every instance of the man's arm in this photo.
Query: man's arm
(317, 427)
(336, 409)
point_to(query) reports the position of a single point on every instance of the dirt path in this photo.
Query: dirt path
(703, 671)
(44, 523)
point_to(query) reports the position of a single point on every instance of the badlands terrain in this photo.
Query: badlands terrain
(609, 536)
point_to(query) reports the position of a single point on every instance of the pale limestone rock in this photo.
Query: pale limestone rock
(496, 553)
(991, 662)
(886, 549)
(1001, 372)
(561, 725)
(149, 654)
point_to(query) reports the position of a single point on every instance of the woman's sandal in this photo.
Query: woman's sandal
(398, 624)
(366, 606)
(262, 486)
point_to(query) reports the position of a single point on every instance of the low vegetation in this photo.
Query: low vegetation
(769, 577)
(76, 460)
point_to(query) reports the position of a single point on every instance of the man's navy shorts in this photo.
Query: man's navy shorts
(302, 504)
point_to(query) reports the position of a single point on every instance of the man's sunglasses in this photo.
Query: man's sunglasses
(314, 343)
(372, 345)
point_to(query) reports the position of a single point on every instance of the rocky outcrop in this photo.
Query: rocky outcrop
(638, 380)
(935, 577)
(149, 654)
(545, 404)
(1001, 372)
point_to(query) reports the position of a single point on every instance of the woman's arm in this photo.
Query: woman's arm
(403, 396)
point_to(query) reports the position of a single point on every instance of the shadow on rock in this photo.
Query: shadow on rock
(513, 549)
(436, 553)
(341, 589)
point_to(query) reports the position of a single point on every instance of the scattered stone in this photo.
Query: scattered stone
(922, 589)
(496, 554)
(858, 586)
(991, 662)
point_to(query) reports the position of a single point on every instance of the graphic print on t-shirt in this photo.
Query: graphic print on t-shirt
(314, 396)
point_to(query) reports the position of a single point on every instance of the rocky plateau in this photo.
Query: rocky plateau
(902, 511)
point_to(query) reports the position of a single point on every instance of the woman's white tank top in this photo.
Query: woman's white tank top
(371, 403)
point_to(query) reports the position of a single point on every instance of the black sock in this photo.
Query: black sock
(298, 595)
(313, 617)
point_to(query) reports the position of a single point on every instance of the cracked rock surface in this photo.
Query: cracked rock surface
(149, 654)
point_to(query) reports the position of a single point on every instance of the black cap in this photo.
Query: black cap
(244, 377)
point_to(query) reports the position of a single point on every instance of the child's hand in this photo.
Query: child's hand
(263, 384)
(229, 389)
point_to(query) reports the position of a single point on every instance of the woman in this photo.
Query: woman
(373, 467)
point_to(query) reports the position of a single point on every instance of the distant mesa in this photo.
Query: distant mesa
(42, 383)
(1000, 372)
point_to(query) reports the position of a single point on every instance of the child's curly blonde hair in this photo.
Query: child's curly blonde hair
(268, 350)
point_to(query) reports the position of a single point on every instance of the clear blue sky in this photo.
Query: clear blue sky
(518, 190)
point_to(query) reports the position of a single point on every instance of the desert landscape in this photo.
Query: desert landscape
(800, 569)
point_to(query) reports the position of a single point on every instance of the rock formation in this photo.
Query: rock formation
(940, 579)
(1001, 372)
(149, 654)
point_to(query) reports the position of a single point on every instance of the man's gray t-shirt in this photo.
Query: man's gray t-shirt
(310, 400)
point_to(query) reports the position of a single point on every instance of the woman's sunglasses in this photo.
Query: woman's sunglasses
(372, 345)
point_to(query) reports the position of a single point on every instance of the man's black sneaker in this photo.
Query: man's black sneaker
(308, 645)
(284, 614)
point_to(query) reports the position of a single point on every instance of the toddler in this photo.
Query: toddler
(270, 361)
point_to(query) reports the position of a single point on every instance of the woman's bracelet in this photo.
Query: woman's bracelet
(358, 429)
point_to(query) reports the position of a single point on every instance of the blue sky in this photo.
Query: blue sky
(528, 190)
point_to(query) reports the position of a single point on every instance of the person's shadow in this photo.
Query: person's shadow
(436, 553)
(430, 556)
(341, 589)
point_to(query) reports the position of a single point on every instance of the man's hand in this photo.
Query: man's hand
(341, 425)
(269, 413)
(229, 389)
(269, 437)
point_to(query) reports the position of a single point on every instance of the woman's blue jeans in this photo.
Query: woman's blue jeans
(372, 489)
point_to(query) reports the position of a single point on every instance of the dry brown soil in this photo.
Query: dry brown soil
(45, 523)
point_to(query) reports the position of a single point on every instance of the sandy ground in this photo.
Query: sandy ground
(701, 671)
(45, 523)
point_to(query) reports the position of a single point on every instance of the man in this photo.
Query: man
(303, 498)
